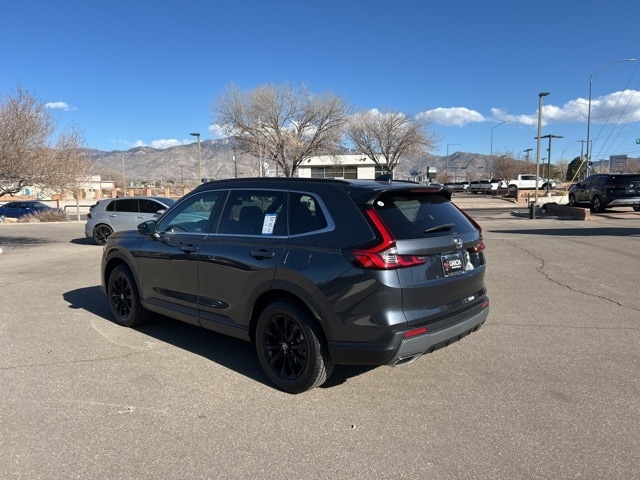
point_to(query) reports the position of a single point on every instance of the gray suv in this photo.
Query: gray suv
(313, 272)
(110, 215)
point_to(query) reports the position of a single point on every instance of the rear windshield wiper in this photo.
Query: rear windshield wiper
(440, 228)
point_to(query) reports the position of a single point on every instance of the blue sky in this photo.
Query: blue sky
(132, 73)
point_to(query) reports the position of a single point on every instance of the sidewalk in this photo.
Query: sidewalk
(470, 201)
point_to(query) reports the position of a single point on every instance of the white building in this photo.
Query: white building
(352, 166)
(339, 166)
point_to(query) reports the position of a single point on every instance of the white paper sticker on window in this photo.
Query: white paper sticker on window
(268, 224)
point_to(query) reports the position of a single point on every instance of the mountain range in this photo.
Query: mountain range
(179, 164)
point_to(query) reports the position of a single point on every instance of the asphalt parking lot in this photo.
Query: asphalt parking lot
(548, 388)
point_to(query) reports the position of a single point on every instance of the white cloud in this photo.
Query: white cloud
(217, 131)
(453, 116)
(167, 142)
(621, 106)
(59, 106)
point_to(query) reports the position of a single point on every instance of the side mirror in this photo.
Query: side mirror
(150, 227)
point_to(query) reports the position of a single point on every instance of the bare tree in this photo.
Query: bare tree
(282, 124)
(385, 136)
(70, 165)
(29, 156)
(506, 166)
(25, 127)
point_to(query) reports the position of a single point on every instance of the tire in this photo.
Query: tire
(596, 204)
(124, 298)
(513, 188)
(291, 348)
(572, 201)
(101, 233)
(636, 208)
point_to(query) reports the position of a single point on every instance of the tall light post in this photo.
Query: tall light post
(587, 156)
(492, 129)
(526, 158)
(235, 163)
(124, 178)
(540, 95)
(199, 157)
(491, 150)
(447, 165)
(549, 158)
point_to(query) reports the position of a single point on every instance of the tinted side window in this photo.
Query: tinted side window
(150, 206)
(111, 207)
(126, 205)
(253, 213)
(305, 214)
(193, 214)
(416, 215)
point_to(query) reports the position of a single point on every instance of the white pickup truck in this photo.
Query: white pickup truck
(526, 181)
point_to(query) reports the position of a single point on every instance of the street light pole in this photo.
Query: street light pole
(235, 164)
(491, 149)
(526, 159)
(493, 128)
(199, 157)
(540, 95)
(587, 156)
(549, 158)
(124, 179)
(447, 164)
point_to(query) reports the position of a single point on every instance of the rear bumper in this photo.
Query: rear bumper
(412, 348)
(398, 350)
(624, 202)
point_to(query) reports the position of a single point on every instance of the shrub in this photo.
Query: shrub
(45, 216)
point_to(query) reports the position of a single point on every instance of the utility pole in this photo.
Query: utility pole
(549, 159)
(526, 159)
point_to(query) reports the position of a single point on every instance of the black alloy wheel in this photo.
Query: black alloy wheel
(291, 348)
(124, 299)
(596, 204)
(101, 233)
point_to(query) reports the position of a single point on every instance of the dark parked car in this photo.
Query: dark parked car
(313, 272)
(22, 208)
(604, 190)
(110, 215)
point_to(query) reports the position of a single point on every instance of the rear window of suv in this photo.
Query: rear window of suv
(418, 215)
(626, 180)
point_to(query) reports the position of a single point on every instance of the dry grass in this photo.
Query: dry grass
(45, 216)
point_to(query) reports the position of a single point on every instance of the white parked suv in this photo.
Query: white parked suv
(113, 214)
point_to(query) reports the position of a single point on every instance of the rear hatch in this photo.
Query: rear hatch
(439, 254)
(624, 186)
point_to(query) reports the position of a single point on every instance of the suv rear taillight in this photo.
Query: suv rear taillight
(383, 255)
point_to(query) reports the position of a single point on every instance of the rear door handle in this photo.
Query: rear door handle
(262, 254)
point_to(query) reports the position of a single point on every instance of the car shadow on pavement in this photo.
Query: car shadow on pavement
(232, 353)
(83, 241)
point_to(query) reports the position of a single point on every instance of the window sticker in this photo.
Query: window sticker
(268, 224)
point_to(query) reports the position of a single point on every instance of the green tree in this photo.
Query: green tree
(573, 169)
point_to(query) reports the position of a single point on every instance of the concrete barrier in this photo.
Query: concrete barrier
(574, 212)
